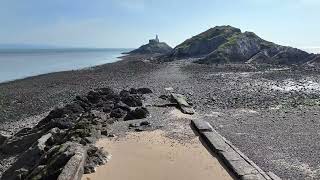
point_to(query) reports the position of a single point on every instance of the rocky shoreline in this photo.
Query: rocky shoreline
(243, 102)
(44, 151)
(30, 99)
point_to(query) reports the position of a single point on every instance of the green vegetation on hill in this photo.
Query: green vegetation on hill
(210, 34)
(203, 43)
(226, 44)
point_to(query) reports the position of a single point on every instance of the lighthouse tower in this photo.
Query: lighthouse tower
(154, 41)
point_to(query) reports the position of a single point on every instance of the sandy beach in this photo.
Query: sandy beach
(152, 155)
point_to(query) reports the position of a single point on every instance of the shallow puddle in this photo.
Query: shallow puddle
(151, 155)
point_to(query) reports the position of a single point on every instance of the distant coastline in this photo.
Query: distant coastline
(22, 63)
(45, 50)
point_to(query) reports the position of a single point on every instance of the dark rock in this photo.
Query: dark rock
(133, 125)
(122, 106)
(83, 99)
(96, 157)
(106, 91)
(56, 113)
(139, 129)
(133, 91)
(111, 135)
(18, 144)
(83, 102)
(61, 123)
(132, 100)
(20, 174)
(3, 138)
(144, 91)
(111, 121)
(118, 113)
(94, 97)
(107, 108)
(23, 132)
(85, 106)
(27, 160)
(69, 109)
(56, 146)
(85, 128)
(142, 126)
(105, 133)
(98, 114)
(140, 91)
(114, 98)
(99, 104)
(124, 93)
(56, 162)
(57, 136)
(138, 113)
(145, 123)
(74, 108)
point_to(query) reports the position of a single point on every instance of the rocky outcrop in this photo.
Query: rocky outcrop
(153, 47)
(204, 43)
(226, 44)
(61, 146)
(315, 61)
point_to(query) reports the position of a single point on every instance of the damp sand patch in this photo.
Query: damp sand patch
(152, 155)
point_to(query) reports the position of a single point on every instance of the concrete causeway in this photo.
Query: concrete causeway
(233, 158)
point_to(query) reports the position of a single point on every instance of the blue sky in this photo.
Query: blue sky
(130, 23)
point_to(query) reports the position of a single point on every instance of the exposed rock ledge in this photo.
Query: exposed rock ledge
(227, 44)
(61, 146)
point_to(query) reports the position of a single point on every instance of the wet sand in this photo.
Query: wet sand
(151, 155)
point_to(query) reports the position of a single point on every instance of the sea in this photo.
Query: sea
(21, 63)
(315, 50)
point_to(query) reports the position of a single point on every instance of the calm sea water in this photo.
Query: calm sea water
(17, 64)
(315, 50)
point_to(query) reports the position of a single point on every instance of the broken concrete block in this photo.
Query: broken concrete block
(201, 126)
(185, 107)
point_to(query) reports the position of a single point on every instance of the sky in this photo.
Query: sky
(130, 23)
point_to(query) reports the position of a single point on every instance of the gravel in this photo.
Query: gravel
(271, 114)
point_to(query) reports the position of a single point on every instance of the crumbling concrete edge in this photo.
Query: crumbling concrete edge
(74, 168)
(238, 163)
